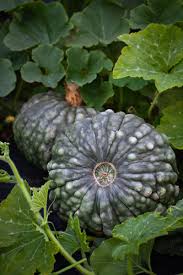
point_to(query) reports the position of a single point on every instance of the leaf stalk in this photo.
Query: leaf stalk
(153, 104)
(39, 218)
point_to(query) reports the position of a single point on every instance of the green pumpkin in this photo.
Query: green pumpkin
(109, 167)
(40, 120)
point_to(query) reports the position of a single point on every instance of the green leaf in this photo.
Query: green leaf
(4, 51)
(40, 197)
(5, 177)
(92, 25)
(97, 93)
(154, 54)
(83, 66)
(103, 262)
(177, 210)
(17, 58)
(170, 97)
(24, 249)
(46, 68)
(4, 149)
(171, 124)
(139, 230)
(6, 5)
(37, 23)
(73, 238)
(7, 77)
(133, 84)
(155, 11)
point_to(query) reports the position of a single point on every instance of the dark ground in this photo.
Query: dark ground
(161, 264)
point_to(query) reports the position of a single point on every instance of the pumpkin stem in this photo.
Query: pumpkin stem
(73, 96)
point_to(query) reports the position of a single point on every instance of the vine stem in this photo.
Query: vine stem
(18, 91)
(153, 104)
(130, 267)
(39, 218)
(68, 267)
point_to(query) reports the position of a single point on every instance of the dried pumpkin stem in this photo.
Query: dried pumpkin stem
(73, 96)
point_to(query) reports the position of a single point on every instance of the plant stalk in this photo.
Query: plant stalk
(153, 104)
(68, 267)
(130, 267)
(39, 218)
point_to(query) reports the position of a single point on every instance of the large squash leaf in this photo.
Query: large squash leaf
(17, 58)
(137, 231)
(73, 238)
(24, 248)
(93, 25)
(6, 5)
(103, 262)
(46, 68)
(171, 124)
(7, 77)
(155, 53)
(83, 66)
(133, 83)
(97, 93)
(34, 24)
(155, 11)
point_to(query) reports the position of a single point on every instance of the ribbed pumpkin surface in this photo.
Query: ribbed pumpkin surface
(40, 120)
(109, 167)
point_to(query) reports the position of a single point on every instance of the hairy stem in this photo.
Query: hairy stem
(69, 258)
(39, 218)
(153, 104)
(68, 267)
(130, 267)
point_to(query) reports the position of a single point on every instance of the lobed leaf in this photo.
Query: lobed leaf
(34, 24)
(137, 231)
(133, 83)
(83, 66)
(46, 68)
(7, 77)
(21, 240)
(73, 238)
(155, 53)
(97, 93)
(7, 5)
(92, 25)
(17, 58)
(103, 262)
(40, 197)
(155, 11)
(171, 124)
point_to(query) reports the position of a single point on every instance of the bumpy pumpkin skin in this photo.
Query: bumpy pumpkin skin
(40, 120)
(109, 167)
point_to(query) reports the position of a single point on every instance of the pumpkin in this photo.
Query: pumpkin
(109, 167)
(40, 120)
